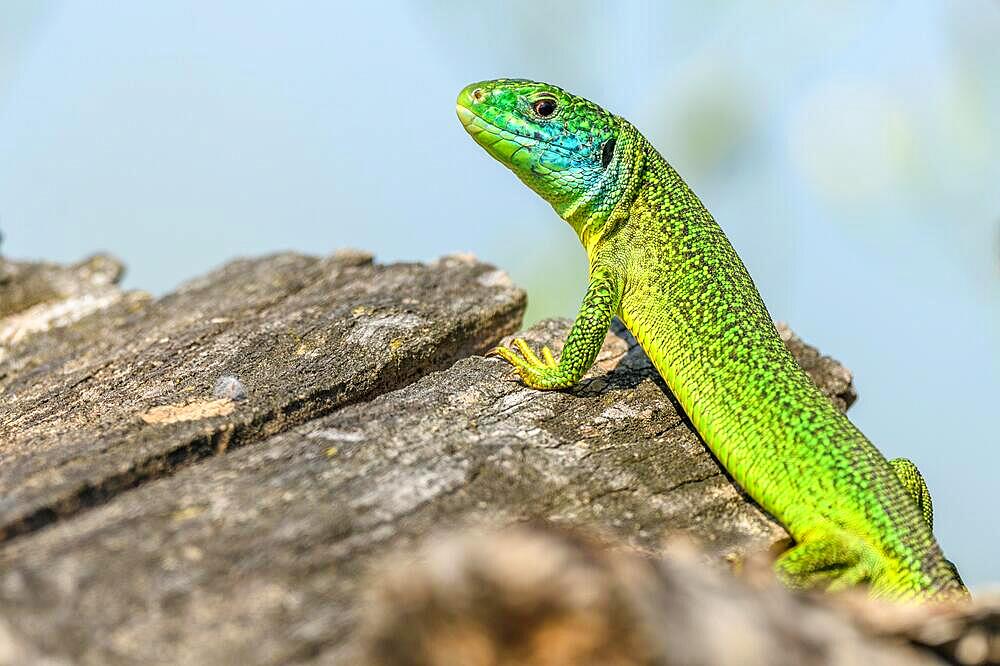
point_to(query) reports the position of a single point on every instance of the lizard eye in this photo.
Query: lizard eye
(544, 108)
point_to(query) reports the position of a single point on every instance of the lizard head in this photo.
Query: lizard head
(559, 144)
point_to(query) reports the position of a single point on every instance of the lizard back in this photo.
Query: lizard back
(695, 310)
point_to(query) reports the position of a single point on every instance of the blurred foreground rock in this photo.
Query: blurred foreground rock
(219, 475)
(532, 595)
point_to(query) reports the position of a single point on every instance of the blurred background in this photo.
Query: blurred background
(849, 149)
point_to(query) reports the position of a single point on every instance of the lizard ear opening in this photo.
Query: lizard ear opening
(607, 152)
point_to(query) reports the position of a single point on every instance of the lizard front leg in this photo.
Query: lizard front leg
(584, 341)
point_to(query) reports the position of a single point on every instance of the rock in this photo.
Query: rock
(27, 284)
(293, 522)
(124, 394)
(356, 418)
(36, 297)
(530, 595)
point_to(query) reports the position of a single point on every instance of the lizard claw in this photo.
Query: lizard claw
(540, 373)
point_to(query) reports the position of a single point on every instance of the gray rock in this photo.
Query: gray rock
(125, 394)
(368, 423)
(258, 556)
(528, 595)
(28, 284)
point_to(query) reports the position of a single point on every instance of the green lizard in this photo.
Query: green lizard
(660, 262)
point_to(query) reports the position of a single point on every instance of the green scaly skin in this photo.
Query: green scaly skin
(659, 261)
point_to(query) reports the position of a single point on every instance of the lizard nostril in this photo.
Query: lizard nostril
(478, 95)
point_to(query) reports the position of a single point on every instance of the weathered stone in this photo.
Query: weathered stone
(307, 373)
(125, 394)
(24, 285)
(38, 297)
(257, 556)
(538, 596)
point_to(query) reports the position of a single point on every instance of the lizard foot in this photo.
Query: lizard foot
(914, 483)
(538, 373)
(828, 562)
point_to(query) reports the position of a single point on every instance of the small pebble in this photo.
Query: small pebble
(228, 386)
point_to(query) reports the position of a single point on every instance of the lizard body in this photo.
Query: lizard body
(660, 262)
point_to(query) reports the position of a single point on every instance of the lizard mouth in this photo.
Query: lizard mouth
(499, 142)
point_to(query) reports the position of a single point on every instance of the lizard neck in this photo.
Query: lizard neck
(599, 212)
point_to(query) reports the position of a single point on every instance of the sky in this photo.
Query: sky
(849, 150)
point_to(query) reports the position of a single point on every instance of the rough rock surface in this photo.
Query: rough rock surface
(83, 287)
(539, 596)
(125, 393)
(349, 432)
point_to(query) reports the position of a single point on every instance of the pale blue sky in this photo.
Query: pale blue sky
(850, 152)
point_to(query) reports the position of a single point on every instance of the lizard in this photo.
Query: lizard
(660, 262)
